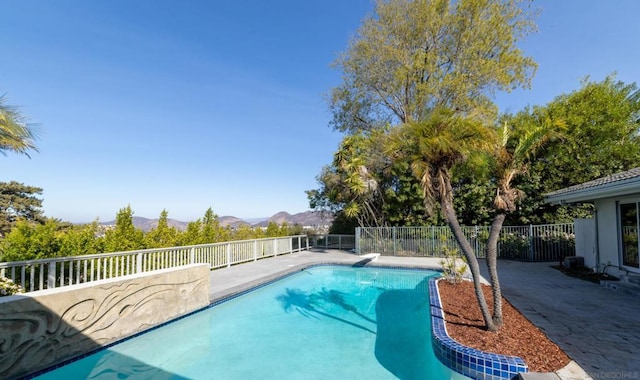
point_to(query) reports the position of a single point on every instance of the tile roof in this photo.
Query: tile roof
(598, 183)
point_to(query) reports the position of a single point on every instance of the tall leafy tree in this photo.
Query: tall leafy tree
(411, 57)
(124, 236)
(601, 137)
(432, 66)
(191, 235)
(162, 235)
(16, 134)
(211, 231)
(18, 201)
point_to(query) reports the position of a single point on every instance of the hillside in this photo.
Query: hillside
(307, 218)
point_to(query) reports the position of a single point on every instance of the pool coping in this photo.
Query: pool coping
(248, 286)
(477, 364)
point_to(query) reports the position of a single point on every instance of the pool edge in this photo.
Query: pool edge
(457, 357)
(479, 365)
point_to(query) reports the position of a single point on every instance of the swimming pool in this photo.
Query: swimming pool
(324, 322)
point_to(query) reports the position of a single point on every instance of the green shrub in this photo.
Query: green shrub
(452, 269)
(8, 287)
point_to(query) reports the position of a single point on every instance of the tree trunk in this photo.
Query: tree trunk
(492, 266)
(472, 261)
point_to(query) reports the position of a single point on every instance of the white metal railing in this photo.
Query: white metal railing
(50, 273)
(548, 242)
(333, 241)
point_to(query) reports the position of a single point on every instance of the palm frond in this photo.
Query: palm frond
(16, 134)
(536, 137)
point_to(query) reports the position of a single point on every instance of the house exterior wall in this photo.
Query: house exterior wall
(586, 242)
(608, 246)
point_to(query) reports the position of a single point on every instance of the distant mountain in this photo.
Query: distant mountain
(146, 224)
(305, 219)
(231, 221)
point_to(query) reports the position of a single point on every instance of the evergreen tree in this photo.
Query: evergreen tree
(124, 236)
(162, 235)
(18, 201)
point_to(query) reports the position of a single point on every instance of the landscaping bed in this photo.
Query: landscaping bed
(585, 274)
(517, 337)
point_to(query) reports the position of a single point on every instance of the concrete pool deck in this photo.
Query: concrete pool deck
(598, 328)
(231, 280)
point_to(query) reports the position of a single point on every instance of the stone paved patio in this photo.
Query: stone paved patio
(598, 328)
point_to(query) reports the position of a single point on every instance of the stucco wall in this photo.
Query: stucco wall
(607, 232)
(586, 241)
(40, 329)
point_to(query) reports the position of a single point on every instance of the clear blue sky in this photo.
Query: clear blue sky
(185, 105)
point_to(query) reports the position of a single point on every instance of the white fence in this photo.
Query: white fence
(344, 242)
(55, 272)
(548, 242)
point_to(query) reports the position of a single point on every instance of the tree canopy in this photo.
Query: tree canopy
(412, 57)
(18, 201)
(601, 137)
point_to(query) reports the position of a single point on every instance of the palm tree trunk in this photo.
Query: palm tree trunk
(492, 266)
(472, 261)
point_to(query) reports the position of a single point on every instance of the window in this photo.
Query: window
(629, 231)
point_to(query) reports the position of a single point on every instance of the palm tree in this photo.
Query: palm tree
(436, 147)
(360, 191)
(16, 135)
(509, 164)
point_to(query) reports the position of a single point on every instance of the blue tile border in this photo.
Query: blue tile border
(468, 361)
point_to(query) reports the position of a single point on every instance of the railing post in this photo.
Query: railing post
(339, 241)
(139, 258)
(357, 242)
(299, 243)
(51, 275)
(255, 250)
(192, 255)
(228, 255)
(393, 238)
(477, 241)
(307, 240)
(326, 241)
(275, 247)
(530, 242)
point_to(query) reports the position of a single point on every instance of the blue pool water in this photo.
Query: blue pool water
(328, 322)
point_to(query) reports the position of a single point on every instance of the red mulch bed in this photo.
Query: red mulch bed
(517, 336)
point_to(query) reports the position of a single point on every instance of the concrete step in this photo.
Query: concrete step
(571, 371)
